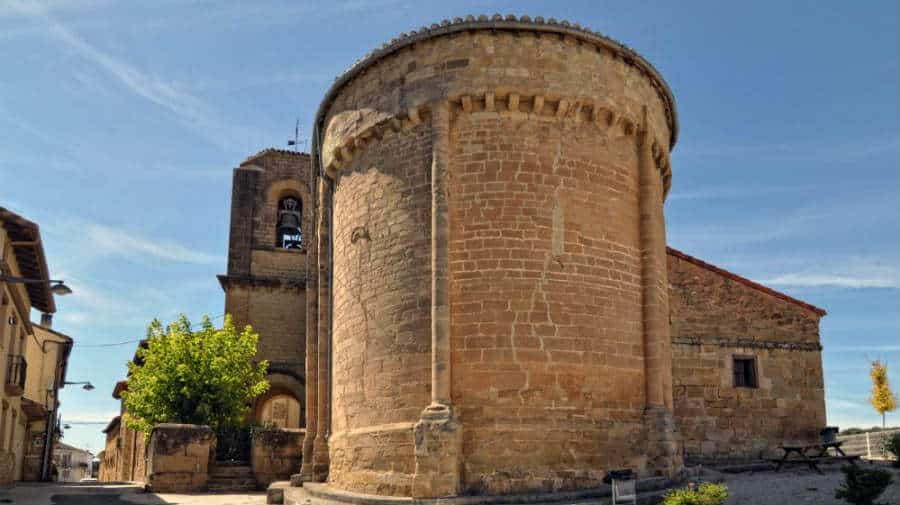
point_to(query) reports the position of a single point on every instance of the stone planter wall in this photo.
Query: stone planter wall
(276, 454)
(178, 458)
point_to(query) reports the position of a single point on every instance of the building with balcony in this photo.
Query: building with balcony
(33, 356)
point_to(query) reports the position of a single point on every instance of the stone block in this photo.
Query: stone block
(178, 458)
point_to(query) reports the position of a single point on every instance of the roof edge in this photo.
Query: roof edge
(745, 281)
(48, 303)
(112, 424)
(509, 23)
(271, 150)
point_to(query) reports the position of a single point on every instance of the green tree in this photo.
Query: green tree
(204, 376)
(882, 399)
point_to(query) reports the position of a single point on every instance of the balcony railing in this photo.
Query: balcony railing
(16, 371)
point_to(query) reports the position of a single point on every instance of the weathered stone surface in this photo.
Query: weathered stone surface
(544, 247)
(178, 458)
(275, 454)
(438, 439)
(716, 316)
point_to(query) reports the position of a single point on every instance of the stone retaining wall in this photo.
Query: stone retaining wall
(179, 458)
(276, 454)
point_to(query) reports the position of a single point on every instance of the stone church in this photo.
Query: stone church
(465, 287)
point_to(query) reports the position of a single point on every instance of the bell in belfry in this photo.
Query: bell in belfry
(289, 219)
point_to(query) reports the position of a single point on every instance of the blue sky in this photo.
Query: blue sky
(120, 123)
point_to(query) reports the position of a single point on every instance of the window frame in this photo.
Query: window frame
(749, 374)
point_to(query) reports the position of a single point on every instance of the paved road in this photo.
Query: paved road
(112, 494)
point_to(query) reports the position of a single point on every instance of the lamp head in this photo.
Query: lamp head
(60, 289)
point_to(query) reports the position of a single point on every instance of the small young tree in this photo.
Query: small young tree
(205, 376)
(882, 399)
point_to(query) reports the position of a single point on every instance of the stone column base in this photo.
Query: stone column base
(320, 460)
(306, 463)
(664, 455)
(438, 439)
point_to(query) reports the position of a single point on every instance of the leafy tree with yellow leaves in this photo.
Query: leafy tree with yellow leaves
(882, 399)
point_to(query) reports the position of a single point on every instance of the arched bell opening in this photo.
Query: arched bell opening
(289, 232)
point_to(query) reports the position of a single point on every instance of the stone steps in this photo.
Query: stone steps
(283, 493)
(231, 478)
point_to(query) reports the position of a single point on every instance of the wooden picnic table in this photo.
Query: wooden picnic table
(819, 452)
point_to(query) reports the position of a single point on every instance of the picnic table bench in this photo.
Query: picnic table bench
(811, 454)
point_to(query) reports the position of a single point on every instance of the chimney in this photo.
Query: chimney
(47, 320)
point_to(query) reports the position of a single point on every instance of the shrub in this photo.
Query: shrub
(704, 494)
(893, 446)
(862, 486)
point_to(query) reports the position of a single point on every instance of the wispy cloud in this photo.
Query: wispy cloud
(729, 192)
(18, 8)
(191, 111)
(865, 348)
(843, 281)
(107, 241)
(130, 303)
(89, 416)
(843, 151)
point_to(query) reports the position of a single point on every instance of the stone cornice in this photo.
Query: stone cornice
(590, 112)
(515, 24)
(748, 343)
(227, 281)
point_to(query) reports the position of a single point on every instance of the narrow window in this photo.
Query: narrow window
(745, 372)
(289, 234)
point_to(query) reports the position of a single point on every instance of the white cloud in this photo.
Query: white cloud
(854, 272)
(17, 8)
(189, 109)
(864, 348)
(843, 281)
(729, 192)
(88, 416)
(847, 150)
(107, 241)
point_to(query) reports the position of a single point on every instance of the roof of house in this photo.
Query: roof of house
(745, 281)
(112, 424)
(66, 447)
(122, 385)
(25, 237)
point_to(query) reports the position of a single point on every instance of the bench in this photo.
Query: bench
(819, 454)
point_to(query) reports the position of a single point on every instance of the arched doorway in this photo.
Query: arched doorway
(281, 406)
(279, 409)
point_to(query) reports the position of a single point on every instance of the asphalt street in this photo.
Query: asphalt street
(113, 494)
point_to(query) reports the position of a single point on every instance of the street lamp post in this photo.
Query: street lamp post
(56, 287)
(87, 385)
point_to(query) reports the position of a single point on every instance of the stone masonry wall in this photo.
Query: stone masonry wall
(381, 332)
(546, 303)
(545, 249)
(715, 317)
(275, 454)
(178, 458)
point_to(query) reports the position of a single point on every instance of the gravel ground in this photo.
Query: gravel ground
(795, 486)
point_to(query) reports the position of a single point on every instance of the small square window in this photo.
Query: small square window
(745, 372)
